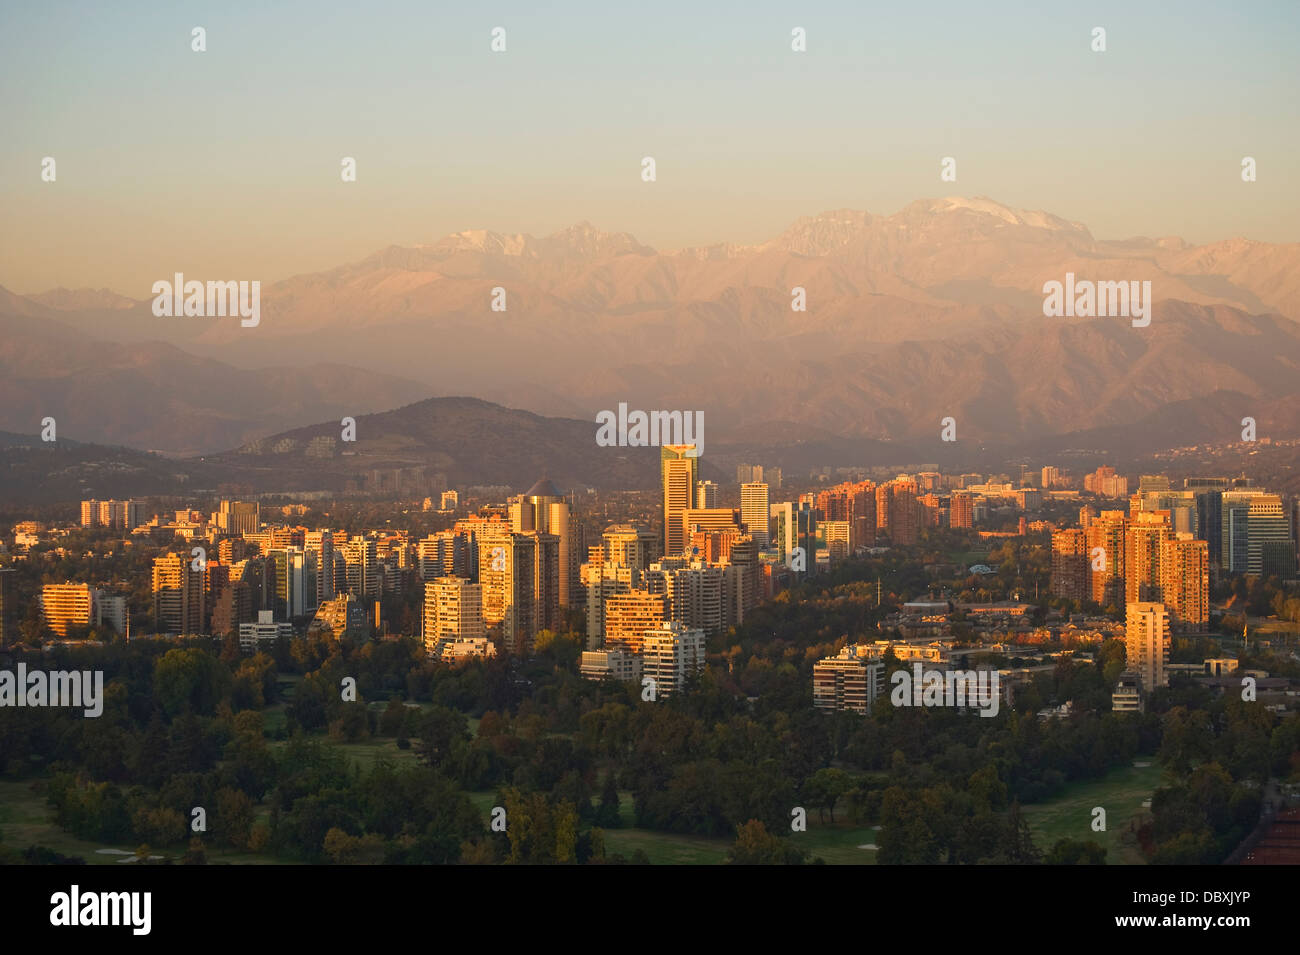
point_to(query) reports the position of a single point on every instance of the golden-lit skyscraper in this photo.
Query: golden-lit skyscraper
(962, 511)
(178, 600)
(67, 605)
(545, 508)
(1146, 643)
(629, 545)
(628, 616)
(680, 464)
(706, 494)
(519, 574)
(1070, 578)
(507, 567)
(1106, 557)
(453, 610)
(755, 511)
(1185, 583)
(898, 512)
(1148, 534)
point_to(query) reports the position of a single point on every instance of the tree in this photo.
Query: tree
(233, 818)
(754, 845)
(607, 813)
(195, 854)
(824, 788)
(1076, 852)
(344, 849)
(190, 678)
(1186, 739)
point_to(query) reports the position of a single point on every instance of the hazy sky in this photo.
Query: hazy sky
(226, 164)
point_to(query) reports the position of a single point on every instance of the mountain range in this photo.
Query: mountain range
(933, 312)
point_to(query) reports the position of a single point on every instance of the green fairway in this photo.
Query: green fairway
(664, 848)
(363, 753)
(837, 844)
(1069, 816)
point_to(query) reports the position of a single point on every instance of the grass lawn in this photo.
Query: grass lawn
(837, 844)
(363, 753)
(663, 848)
(484, 801)
(1069, 816)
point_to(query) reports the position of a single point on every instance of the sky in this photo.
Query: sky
(226, 163)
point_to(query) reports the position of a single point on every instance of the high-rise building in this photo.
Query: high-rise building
(712, 546)
(671, 654)
(1104, 482)
(629, 546)
(708, 521)
(693, 590)
(453, 610)
(321, 544)
(962, 513)
(1252, 520)
(362, 566)
(1269, 529)
(546, 583)
(849, 682)
(9, 616)
(520, 578)
(855, 503)
(1106, 545)
(794, 534)
(1146, 643)
(706, 495)
(232, 605)
(603, 581)
(1180, 505)
(1070, 575)
(178, 599)
(1145, 545)
(755, 511)
(897, 506)
(680, 466)
(444, 554)
(68, 605)
(122, 515)
(295, 581)
(111, 612)
(629, 615)
(1185, 583)
(836, 534)
(238, 517)
(544, 508)
(1050, 477)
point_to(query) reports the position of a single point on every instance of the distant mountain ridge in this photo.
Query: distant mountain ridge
(933, 311)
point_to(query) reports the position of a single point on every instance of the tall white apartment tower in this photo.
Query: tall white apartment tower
(755, 511)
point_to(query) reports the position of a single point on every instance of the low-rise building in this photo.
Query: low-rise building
(615, 663)
(266, 630)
